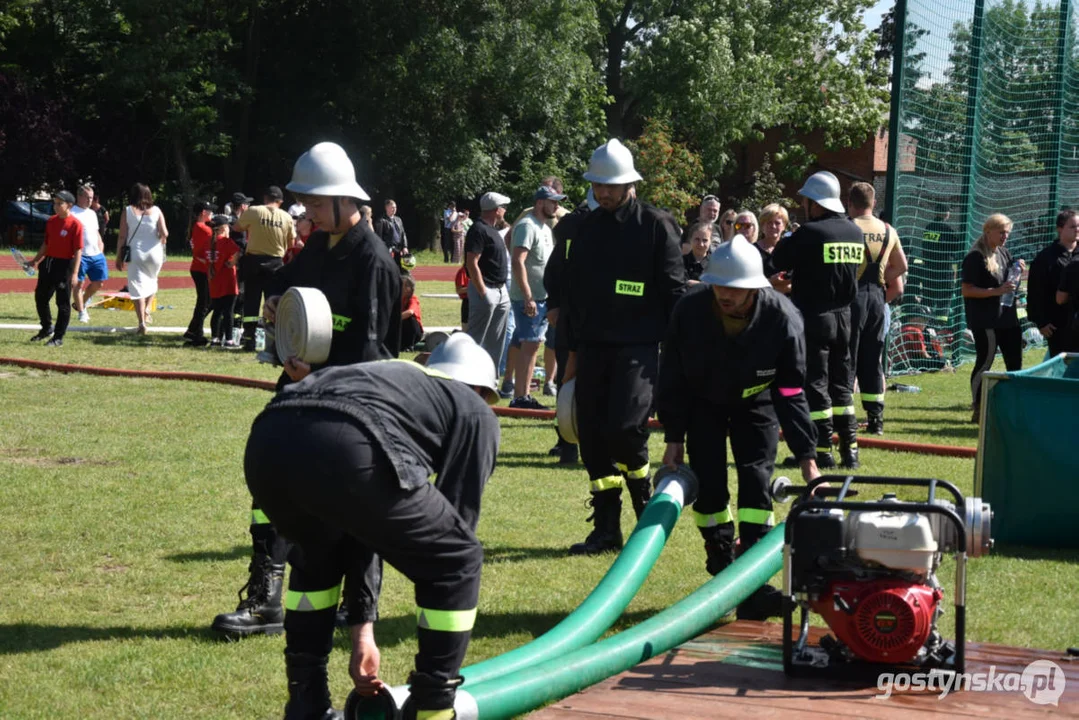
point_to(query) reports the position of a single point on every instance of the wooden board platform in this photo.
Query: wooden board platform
(736, 671)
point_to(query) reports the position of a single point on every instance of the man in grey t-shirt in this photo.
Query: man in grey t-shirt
(531, 247)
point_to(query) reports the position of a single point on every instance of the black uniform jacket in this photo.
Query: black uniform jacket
(1042, 284)
(564, 233)
(623, 277)
(426, 424)
(825, 255)
(363, 286)
(705, 370)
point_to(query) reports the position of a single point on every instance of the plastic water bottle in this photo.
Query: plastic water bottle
(1013, 276)
(900, 387)
(260, 339)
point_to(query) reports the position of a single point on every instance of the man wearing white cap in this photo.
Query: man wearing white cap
(352, 267)
(824, 255)
(622, 279)
(734, 366)
(485, 261)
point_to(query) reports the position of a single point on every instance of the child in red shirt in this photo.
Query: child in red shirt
(304, 228)
(62, 255)
(201, 235)
(224, 253)
(411, 319)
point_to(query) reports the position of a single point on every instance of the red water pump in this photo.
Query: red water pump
(869, 570)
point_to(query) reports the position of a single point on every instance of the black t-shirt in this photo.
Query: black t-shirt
(766, 261)
(694, 267)
(485, 241)
(1069, 283)
(987, 313)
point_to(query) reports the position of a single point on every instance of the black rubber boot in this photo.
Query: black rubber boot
(606, 536)
(429, 694)
(567, 454)
(640, 492)
(308, 688)
(718, 547)
(260, 612)
(847, 429)
(825, 460)
(875, 425)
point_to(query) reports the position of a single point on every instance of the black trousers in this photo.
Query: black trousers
(221, 320)
(754, 434)
(867, 346)
(202, 304)
(447, 244)
(986, 343)
(614, 401)
(256, 271)
(411, 333)
(829, 377)
(325, 484)
(54, 279)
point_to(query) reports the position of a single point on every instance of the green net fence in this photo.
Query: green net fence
(985, 114)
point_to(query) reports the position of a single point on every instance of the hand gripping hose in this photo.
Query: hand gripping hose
(303, 326)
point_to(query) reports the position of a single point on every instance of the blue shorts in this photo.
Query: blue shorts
(95, 267)
(529, 329)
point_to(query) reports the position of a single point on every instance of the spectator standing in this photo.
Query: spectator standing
(102, 218)
(938, 259)
(142, 249)
(774, 221)
(745, 224)
(449, 217)
(726, 224)
(701, 236)
(367, 216)
(994, 324)
(622, 280)
(93, 267)
(270, 233)
(201, 238)
(457, 235)
(59, 258)
(1068, 297)
(1043, 282)
(532, 245)
(223, 257)
(824, 255)
(392, 230)
(488, 298)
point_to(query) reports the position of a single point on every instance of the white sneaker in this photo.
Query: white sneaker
(84, 316)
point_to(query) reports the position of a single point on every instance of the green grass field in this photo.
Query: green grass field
(125, 513)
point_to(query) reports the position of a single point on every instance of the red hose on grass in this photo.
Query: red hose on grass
(866, 442)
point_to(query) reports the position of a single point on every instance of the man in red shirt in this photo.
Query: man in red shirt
(200, 269)
(62, 255)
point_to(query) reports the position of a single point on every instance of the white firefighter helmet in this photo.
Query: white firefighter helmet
(823, 189)
(736, 264)
(612, 164)
(325, 170)
(462, 359)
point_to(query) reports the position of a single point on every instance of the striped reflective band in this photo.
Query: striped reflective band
(628, 287)
(756, 517)
(248, 318)
(845, 410)
(568, 241)
(312, 600)
(259, 518)
(445, 620)
(751, 391)
(607, 483)
(340, 322)
(836, 253)
(641, 472)
(872, 397)
(820, 414)
(448, 714)
(713, 519)
(854, 446)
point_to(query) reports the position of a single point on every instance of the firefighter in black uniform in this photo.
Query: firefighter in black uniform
(825, 254)
(354, 270)
(340, 463)
(879, 280)
(622, 280)
(734, 360)
(1043, 281)
(564, 233)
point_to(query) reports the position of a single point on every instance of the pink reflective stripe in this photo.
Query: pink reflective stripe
(790, 392)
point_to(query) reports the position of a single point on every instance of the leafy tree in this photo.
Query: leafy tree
(765, 189)
(671, 171)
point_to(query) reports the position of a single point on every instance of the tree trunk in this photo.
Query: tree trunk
(237, 171)
(187, 188)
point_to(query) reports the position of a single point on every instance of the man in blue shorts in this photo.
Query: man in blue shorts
(93, 265)
(531, 248)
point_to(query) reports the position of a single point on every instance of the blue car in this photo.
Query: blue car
(31, 214)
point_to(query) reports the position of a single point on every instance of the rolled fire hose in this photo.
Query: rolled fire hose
(566, 411)
(303, 327)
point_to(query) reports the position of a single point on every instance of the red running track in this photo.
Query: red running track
(442, 273)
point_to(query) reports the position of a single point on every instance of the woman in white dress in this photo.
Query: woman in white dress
(142, 228)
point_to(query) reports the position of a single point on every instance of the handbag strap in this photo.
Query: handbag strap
(128, 241)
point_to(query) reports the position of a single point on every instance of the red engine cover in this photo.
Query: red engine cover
(889, 620)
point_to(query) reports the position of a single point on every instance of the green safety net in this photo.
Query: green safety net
(987, 122)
